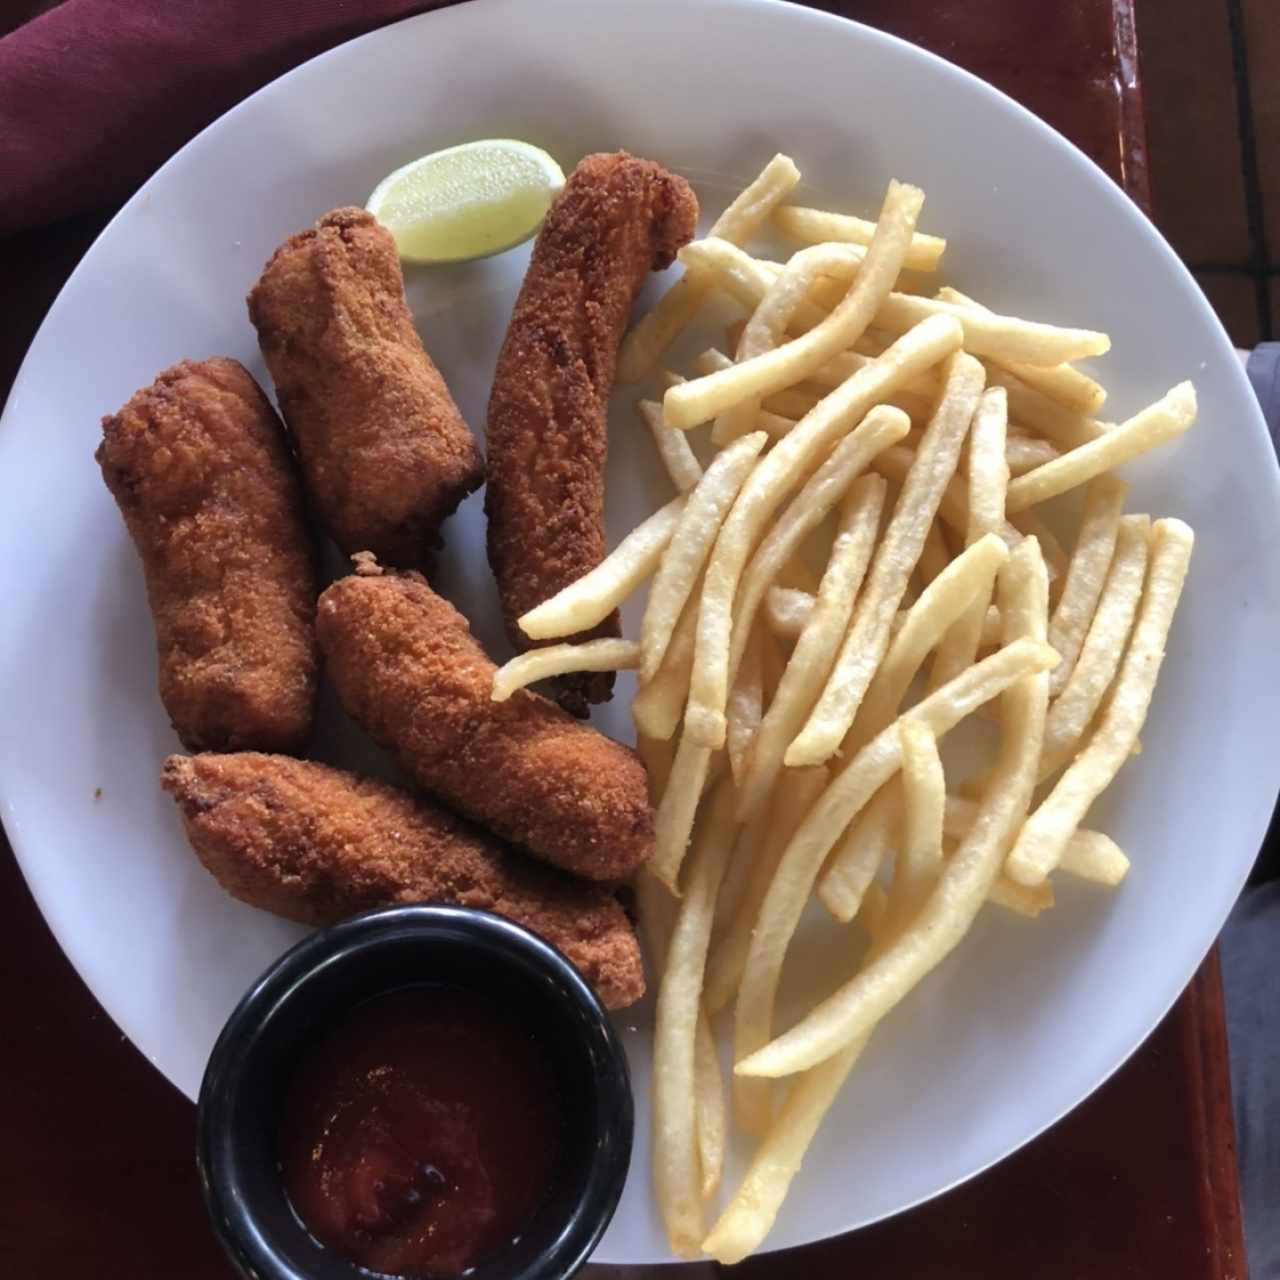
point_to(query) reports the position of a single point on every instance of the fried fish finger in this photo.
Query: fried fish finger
(200, 468)
(316, 844)
(384, 450)
(405, 666)
(617, 219)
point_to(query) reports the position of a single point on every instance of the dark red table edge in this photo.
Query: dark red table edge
(1203, 1028)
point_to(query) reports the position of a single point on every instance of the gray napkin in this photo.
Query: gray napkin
(1263, 368)
(1250, 945)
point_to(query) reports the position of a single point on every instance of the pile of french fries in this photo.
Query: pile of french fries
(790, 719)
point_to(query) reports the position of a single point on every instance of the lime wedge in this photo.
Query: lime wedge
(467, 201)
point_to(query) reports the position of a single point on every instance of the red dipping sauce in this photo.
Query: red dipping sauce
(421, 1134)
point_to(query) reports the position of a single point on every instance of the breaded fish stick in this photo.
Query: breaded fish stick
(201, 470)
(316, 844)
(617, 219)
(406, 667)
(385, 452)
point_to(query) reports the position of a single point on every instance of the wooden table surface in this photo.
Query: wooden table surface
(96, 1169)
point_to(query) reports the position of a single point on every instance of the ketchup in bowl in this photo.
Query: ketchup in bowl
(420, 1091)
(422, 1132)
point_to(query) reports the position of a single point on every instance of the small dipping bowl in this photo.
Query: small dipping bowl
(313, 987)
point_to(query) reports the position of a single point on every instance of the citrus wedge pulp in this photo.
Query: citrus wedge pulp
(467, 201)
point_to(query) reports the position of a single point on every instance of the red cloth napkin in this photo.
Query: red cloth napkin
(96, 94)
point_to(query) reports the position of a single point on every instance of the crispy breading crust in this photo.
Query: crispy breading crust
(317, 844)
(406, 667)
(386, 454)
(617, 219)
(201, 470)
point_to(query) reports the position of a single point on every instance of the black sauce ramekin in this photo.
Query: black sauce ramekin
(310, 987)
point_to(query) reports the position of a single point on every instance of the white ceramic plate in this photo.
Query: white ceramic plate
(1026, 1019)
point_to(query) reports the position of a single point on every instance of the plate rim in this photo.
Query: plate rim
(27, 857)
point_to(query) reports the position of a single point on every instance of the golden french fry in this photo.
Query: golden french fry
(988, 334)
(1086, 573)
(1074, 708)
(1089, 855)
(656, 912)
(816, 645)
(693, 402)
(791, 402)
(724, 969)
(659, 703)
(855, 862)
(746, 280)
(648, 339)
(988, 465)
(763, 492)
(752, 1104)
(926, 386)
(752, 1211)
(991, 629)
(673, 448)
(686, 554)
(851, 1013)
(673, 822)
(656, 754)
(797, 574)
(750, 208)
(746, 706)
(558, 659)
(817, 226)
(767, 328)
(775, 424)
(773, 662)
(1025, 453)
(595, 595)
(751, 840)
(1047, 831)
(1094, 856)
(778, 471)
(1063, 382)
(924, 798)
(995, 337)
(824, 488)
(712, 360)
(874, 912)
(899, 550)
(709, 1108)
(1024, 900)
(1065, 428)
(895, 463)
(787, 609)
(1055, 400)
(988, 483)
(1056, 560)
(988, 480)
(915, 398)
(968, 577)
(1169, 417)
(654, 332)
(843, 798)
(935, 555)
(676, 1174)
